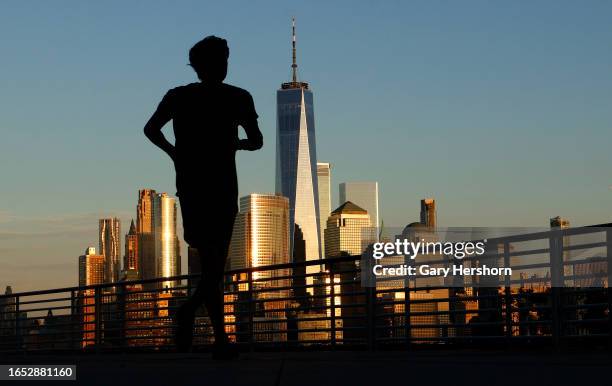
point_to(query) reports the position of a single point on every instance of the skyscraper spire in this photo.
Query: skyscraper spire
(294, 78)
(294, 64)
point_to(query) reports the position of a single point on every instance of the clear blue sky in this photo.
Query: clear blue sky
(499, 110)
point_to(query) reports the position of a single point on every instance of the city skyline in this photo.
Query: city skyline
(469, 192)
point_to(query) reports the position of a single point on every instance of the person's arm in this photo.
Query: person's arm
(153, 130)
(254, 139)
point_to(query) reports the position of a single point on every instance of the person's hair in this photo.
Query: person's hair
(208, 57)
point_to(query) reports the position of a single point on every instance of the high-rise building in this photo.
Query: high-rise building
(349, 230)
(92, 268)
(145, 229)
(131, 259)
(363, 194)
(261, 233)
(296, 160)
(261, 238)
(167, 254)
(324, 180)
(428, 212)
(110, 247)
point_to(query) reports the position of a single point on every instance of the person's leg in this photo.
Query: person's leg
(212, 245)
(213, 266)
(185, 315)
(185, 318)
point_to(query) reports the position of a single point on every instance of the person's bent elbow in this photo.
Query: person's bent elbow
(149, 131)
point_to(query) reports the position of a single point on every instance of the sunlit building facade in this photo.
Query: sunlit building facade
(349, 231)
(145, 229)
(428, 212)
(313, 327)
(261, 233)
(131, 259)
(110, 247)
(261, 238)
(167, 256)
(91, 268)
(91, 272)
(324, 187)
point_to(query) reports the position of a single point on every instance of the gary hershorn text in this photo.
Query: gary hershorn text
(427, 270)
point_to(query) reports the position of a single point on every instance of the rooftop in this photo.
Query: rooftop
(349, 208)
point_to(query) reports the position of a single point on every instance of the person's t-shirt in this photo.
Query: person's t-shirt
(205, 120)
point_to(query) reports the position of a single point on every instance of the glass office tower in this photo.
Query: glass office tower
(296, 160)
(110, 247)
(261, 234)
(167, 256)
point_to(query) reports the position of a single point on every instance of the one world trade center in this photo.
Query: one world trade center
(296, 160)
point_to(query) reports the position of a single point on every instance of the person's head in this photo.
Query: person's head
(208, 57)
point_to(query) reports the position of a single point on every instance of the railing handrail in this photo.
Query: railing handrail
(274, 267)
(540, 235)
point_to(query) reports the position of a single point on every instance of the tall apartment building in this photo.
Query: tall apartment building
(110, 247)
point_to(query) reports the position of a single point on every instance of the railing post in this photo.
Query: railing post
(609, 267)
(251, 307)
(332, 303)
(508, 295)
(18, 336)
(122, 305)
(73, 313)
(556, 282)
(407, 311)
(407, 321)
(371, 317)
(97, 316)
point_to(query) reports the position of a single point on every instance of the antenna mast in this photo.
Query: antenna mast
(294, 64)
(294, 78)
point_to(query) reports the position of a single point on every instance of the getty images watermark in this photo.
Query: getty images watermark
(412, 249)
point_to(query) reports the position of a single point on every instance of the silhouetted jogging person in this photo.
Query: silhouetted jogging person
(206, 116)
